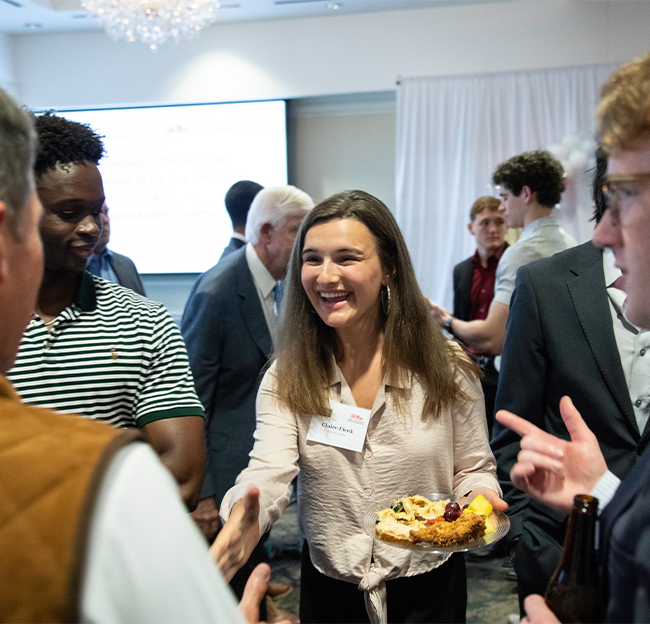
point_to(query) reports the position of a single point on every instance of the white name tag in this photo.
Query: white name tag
(345, 428)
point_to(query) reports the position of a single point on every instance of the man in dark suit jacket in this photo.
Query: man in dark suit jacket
(561, 337)
(228, 326)
(474, 284)
(238, 202)
(553, 470)
(560, 341)
(113, 266)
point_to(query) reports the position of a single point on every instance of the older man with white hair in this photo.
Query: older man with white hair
(228, 325)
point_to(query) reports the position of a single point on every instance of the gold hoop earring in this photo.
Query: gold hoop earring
(385, 300)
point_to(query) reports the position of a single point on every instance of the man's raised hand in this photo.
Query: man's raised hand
(553, 470)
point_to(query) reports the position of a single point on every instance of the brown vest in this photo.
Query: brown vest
(51, 467)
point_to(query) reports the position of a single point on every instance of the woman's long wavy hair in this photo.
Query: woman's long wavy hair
(307, 347)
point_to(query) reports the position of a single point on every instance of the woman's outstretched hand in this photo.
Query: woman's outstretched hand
(239, 535)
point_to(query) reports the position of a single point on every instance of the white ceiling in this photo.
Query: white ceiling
(25, 16)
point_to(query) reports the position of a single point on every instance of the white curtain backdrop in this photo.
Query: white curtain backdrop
(453, 131)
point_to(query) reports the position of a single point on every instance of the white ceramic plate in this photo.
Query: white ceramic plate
(499, 522)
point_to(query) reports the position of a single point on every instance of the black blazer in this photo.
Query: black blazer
(463, 276)
(233, 245)
(127, 274)
(560, 341)
(625, 547)
(228, 343)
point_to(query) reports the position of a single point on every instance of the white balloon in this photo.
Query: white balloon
(578, 159)
(568, 168)
(561, 152)
(572, 141)
(589, 146)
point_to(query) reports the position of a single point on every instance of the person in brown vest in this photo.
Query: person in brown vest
(92, 527)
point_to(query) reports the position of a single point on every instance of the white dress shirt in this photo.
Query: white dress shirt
(264, 284)
(633, 345)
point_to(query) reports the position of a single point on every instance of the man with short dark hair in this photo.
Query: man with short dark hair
(94, 347)
(238, 201)
(530, 185)
(110, 265)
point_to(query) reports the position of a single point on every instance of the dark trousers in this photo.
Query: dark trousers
(538, 554)
(436, 596)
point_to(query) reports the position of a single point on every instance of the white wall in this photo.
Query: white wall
(7, 78)
(336, 142)
(328, 55)
(343, 142)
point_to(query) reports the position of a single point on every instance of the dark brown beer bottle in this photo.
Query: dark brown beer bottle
(573, 592)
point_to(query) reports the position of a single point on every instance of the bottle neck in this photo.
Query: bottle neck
(579, 544)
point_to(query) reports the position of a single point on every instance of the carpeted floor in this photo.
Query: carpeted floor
(492, 591)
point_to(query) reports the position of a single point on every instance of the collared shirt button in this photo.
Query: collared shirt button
(368, 454)
(642, 352)
(368, 492)
(638, 402)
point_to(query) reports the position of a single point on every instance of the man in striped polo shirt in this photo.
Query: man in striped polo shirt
(94, 347)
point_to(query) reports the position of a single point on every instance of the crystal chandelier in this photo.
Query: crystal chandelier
(153, 21)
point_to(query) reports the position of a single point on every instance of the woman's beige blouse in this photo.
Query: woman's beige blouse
(402, 455)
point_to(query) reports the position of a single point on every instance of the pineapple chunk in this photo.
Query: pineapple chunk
(481, 506)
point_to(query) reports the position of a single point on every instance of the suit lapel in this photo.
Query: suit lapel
(251, 308)
(463, 289)
(118, 267)
(468, 275)
(589, 295)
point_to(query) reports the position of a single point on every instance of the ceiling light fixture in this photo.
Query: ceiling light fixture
(153, 21)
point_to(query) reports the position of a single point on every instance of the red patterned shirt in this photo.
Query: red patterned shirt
(483, 284)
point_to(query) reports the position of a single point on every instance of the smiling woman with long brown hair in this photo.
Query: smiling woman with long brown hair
(365, 401)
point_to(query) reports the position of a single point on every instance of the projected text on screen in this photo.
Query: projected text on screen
(167, 170)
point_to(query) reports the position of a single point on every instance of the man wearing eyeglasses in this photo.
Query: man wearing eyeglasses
(566, 330)
(553, 470)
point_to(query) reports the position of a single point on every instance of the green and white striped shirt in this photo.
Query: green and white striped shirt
(112, 355)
